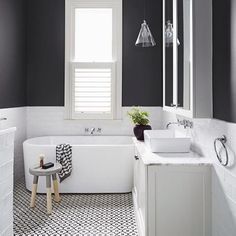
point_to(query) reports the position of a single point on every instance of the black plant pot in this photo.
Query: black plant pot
(138, 131)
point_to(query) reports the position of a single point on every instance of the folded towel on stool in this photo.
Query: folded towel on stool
(64, 157)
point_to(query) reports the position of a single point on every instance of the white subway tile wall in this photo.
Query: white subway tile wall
(50, 121)
(40, 121)
(203, 135)
(16, 117)
(6, 183)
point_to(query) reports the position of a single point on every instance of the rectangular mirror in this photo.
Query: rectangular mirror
(177, 53)
(187, 57)
(168, 48)
(184, 53)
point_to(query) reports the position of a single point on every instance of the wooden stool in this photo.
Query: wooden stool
(36, 172)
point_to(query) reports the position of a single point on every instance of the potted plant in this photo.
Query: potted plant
(141, 121)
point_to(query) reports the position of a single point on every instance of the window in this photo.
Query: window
(93, 67)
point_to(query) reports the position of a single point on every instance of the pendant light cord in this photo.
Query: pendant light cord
(145, 9)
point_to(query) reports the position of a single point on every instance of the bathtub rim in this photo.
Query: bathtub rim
(131, 144)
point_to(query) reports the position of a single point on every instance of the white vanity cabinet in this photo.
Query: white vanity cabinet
(140, 193)
(172, 200)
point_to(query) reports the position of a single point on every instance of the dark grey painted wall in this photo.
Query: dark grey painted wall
(224, 59)
(12, 53)
(222, 97)
(45, 52)
(142, 68)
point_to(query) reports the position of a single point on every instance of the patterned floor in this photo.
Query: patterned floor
(77, 215)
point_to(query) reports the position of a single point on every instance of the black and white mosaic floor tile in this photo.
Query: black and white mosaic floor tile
(76, 215)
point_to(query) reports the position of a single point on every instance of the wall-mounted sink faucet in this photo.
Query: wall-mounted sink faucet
(171, 123)
(185, 123)
(3, 118)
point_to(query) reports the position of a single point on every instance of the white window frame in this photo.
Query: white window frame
(116, 62)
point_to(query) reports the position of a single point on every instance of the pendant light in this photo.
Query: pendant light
(145, 38)
(169, 34)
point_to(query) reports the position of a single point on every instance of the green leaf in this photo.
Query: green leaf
(138, 116)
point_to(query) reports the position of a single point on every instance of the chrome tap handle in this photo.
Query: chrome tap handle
(92, 130)
(3, 118)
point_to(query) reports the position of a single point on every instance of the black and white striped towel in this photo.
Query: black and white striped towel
(64, 157)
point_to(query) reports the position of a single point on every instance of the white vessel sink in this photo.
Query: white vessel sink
(166, 141)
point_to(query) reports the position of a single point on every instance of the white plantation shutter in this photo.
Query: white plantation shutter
(93, 59)
(93, 93)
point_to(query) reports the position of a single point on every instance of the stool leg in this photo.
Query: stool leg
(55, 186)
(49, 196)
(34, 191)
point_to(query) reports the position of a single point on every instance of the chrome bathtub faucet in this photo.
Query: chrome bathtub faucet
(3, 118)
(92, 131)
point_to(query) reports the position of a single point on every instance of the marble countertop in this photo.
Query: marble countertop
(150, 158)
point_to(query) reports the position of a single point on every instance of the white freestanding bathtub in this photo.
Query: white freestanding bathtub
(101, 164)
